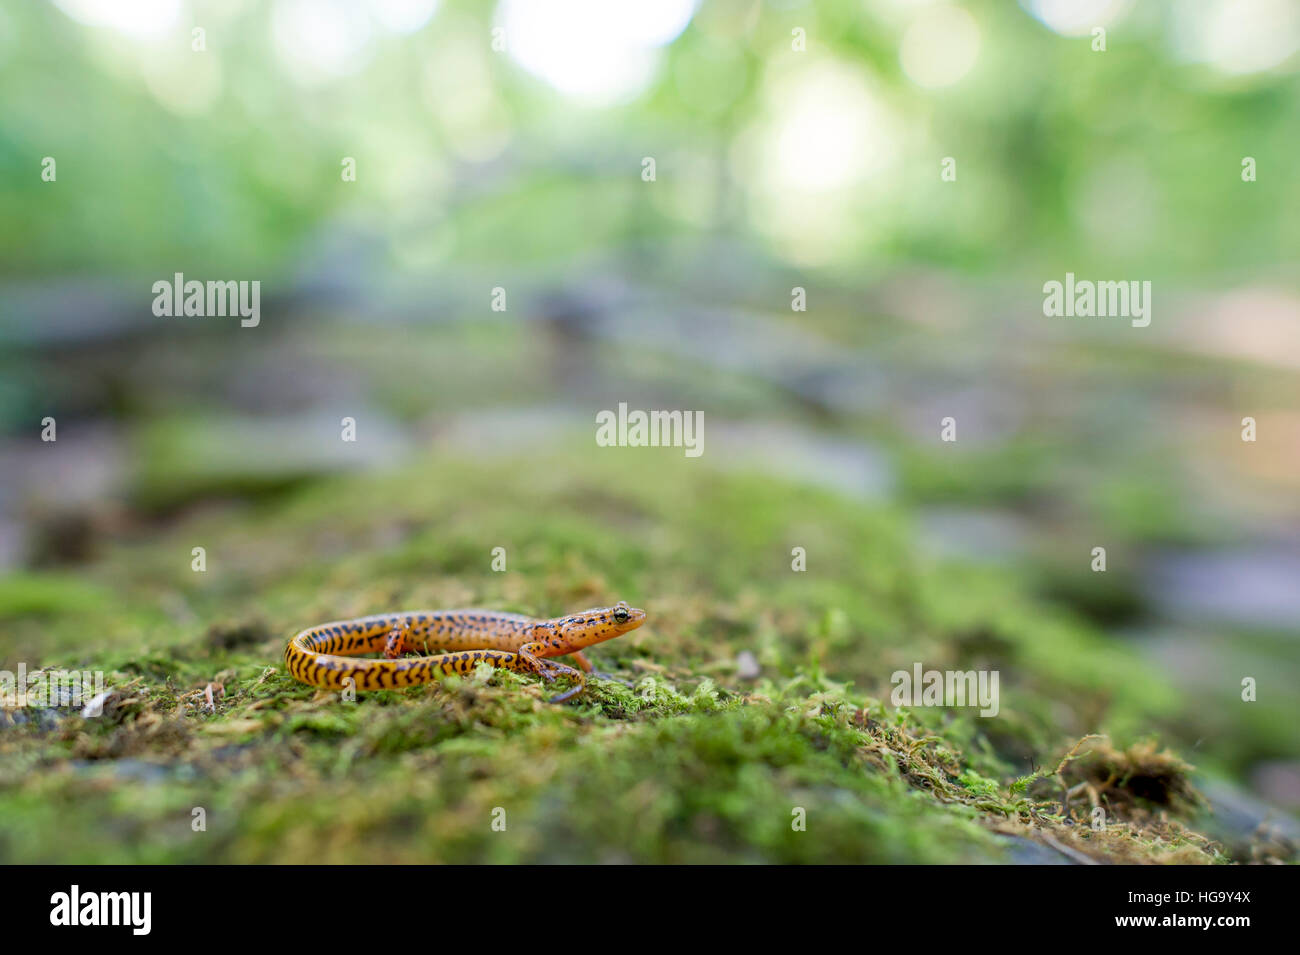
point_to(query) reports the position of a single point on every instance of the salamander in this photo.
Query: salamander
(326, 655)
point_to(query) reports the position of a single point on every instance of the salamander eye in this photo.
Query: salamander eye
(621, 615)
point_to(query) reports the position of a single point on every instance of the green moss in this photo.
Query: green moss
(47, 594)
(679, 760)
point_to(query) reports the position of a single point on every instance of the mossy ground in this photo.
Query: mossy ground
(687, 760)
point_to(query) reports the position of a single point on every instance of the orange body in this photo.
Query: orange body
(326, 655)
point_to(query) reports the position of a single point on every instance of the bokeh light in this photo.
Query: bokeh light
(598, 50)
(320, 39)
(1248, 36)
(139, 18)
(403, 16)
(1076, 17)
(940, 46)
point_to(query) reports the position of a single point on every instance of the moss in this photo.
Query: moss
(1140, 776)
(46, 594)
(686, 757)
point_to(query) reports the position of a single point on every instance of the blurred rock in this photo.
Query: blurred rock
(1255, 586)
(1278, 782)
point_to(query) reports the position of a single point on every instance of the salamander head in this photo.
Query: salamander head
(599, 624)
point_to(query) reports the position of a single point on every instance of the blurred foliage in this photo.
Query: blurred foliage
(1122, 162)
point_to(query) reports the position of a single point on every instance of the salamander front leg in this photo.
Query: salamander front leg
(548, 671)
(395, 646)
